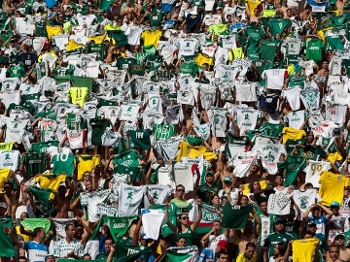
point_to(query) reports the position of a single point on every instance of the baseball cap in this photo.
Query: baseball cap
(210, 173)
(223, 245)
(3, 205)
(62, 184)
(228, 179)
(311, 224)
(340, 235)
(279, 220)
(335, 204)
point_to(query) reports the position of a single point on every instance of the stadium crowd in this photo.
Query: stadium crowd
(165, 130)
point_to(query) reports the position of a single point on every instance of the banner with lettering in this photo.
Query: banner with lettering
(129, 112)
(269, 155)
(130, 198)
(158, 193)
(246, 119)
(168, 146)
(118, 226)
(209, 215)
(244, 163)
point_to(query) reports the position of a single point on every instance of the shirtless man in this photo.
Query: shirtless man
(305, 15)
(333, 254)
(342, 254)
(62, 199)
(129, 9)
(249, 235)
(12, 195)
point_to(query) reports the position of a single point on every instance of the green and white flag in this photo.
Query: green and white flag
(168, 146)
(130, 197)
(209, 215)
(7, 247)
(310, 99)
(269, 155)
(131, 253)
(203, 130)
(118, 226)
(129, 112)
(179, 254)
(158, 193)
(33, 223)
(163, 131)
(296, 119)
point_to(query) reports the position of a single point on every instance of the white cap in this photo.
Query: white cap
(3, 205)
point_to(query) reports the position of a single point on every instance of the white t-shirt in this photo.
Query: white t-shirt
(275, 78)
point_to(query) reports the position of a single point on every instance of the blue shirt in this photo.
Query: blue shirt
(36, 251)
(207, 253)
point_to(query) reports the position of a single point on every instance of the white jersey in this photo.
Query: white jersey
(62, 248)
(305, 199)
(313, 171)
(76, 139)
(188, 46)
(296, 119)
(275, 78)
(14, 129)
(10, 159)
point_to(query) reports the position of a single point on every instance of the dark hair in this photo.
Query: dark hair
(223, 252)
(282, 247)
(37, 230)
(109, 238)
(22, 257)
(67, 226)
(212, 198)
(87, 254)
(179, 186)
(307, 233)
(250, 245)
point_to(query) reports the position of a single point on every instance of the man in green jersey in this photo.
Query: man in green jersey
(209, 188)
(277, 237)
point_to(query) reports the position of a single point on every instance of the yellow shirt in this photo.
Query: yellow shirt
(86, 164)
(151, 37)
(304, 249)
(97, 39)
(78, 95)
(242, 258)
(53, 30)
(186, 150)
(332, 187)
(72, 45)
(52, 182)
(202, 59)
(292, 133)
(334, 157)
(5, 175)
(238, 52)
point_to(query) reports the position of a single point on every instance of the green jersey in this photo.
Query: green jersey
(141, 138)
(206, 192)
(64, 73)
(35, 163)
(99, 49)
(16, 70)
(273, 239)
(163, 131)
(98, 129)
(137, 70)
(189, 68)
(63, 164)
(40, 28)
(82, 9)
(188, 235)
(29, 98)
(314, 49)
(268, 50)
(277, 25)
(155, 19)
(334, 42)
(125, 63)
(42, 147)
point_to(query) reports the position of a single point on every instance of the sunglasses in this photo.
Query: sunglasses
(184, 218)
(180, 190)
